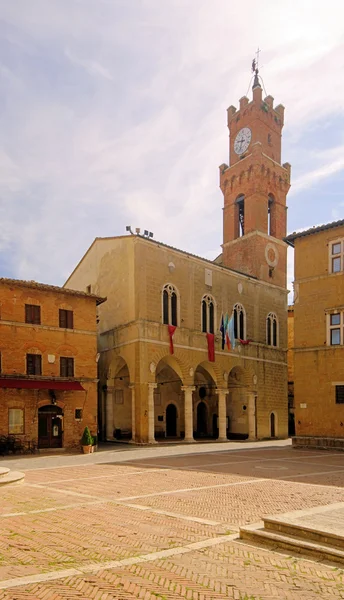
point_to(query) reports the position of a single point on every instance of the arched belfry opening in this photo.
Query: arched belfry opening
(240, 215)
(271, 216)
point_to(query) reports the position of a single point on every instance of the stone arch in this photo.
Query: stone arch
(168, 391)
(240, 385)
(206, 378)
(177, 361)
(115, 402)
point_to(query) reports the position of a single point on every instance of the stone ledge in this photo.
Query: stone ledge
(323, 442)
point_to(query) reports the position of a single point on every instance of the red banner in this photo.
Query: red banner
(211, 347)
(171, 330)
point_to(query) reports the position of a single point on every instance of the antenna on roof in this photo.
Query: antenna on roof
(128, 228)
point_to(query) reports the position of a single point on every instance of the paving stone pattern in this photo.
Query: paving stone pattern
(165, 528)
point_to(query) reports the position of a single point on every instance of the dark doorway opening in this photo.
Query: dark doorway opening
(50, 426)
(202, 428)
(171, 421)
(272, 425)
(215, 427)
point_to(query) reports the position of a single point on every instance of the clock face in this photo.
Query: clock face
(242, 140)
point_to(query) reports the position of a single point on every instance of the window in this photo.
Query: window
(66, 366)
(78, 414)
(336, 329)
(34, 364)
(339, 394)
(271, 330)
(239, 322)
(66, 318)
(337, 256)
(170, 305)
(88, 289)
(15, 421)
(32, 314)
(0, 362)
(208, 314)
(240, 203)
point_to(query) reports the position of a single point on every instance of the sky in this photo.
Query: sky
(113, 113)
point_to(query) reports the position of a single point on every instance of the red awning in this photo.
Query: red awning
(39, 384)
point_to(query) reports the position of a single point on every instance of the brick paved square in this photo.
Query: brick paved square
(164, 528)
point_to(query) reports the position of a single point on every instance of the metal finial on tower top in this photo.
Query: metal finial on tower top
(255, 70)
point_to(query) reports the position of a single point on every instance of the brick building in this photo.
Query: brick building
(152, 390)
(290, 360)
(319, 335)
(48, 374)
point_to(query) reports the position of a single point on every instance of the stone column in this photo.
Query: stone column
(252, 433)
(133, 415)
(188, 412)
(151, 388)
(222, 409)
(109, 414)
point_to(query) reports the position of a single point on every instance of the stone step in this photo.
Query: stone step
(293, 544)
(3, 471)
(11, 477)
(304, 532)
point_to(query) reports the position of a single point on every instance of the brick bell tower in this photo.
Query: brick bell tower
(255, 187)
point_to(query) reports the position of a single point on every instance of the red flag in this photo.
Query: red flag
(171, 330)
(245, 342)
(211, 347)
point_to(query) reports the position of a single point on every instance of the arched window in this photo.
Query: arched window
(169, 305)
(240, 215)
(272, 330)
(271, 216)
(208, 314)
(239, 322)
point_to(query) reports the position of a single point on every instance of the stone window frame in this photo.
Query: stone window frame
(272, 320)
(239, 309)
(336, 256)
(207, 301)
(13, 430)
(170, 290)
(332, 326)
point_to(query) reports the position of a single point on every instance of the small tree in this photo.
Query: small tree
(86, 439)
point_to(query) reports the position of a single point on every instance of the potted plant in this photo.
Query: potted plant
(95, 443)
(87, 441)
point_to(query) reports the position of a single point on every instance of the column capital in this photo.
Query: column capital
(188, 388)
(152, 386)
(221, 391)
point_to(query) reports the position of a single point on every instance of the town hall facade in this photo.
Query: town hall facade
(164, 370)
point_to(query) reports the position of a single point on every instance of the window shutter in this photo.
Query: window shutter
(69, 319)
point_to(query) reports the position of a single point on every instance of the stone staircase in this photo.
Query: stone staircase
(314, 541)
(7, 476)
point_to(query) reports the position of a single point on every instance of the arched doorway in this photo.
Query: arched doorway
(205, 395)
(171, 420)
(272, 425)
(202, 418)
(168, 399)
(50, 426)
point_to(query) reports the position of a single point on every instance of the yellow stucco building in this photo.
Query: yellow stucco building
(319, 335)
(159, 296)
